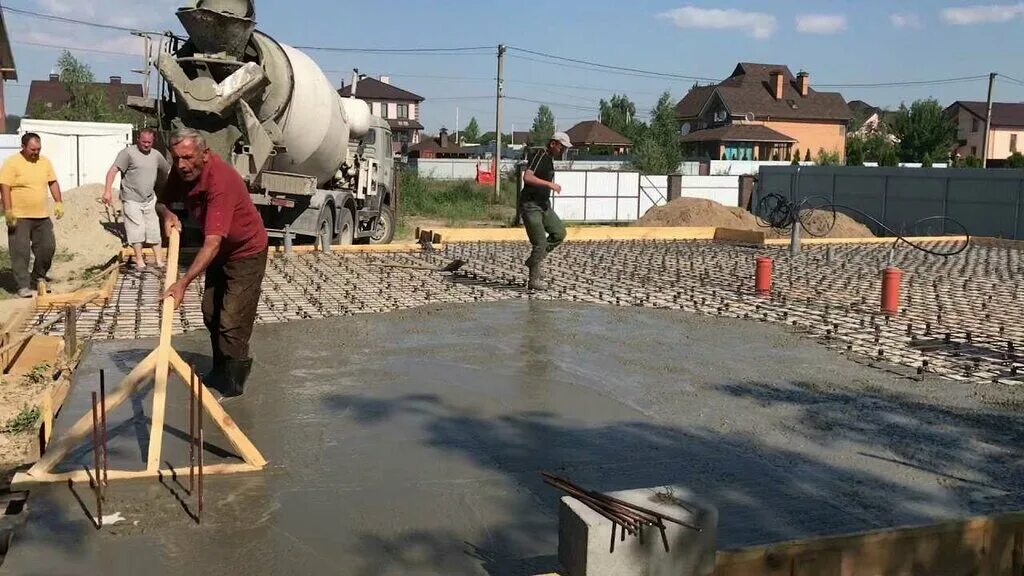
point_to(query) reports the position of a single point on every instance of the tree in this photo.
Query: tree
(923, 128)
(888, 157)
(659, 151)
(1016, 160)
(12, 122)
(796, 157)
(619, 114)
(827, 158)
(926, 162)
(543, 126)
(854, 151)
(472, 131)
(807, 157)
(87, 103)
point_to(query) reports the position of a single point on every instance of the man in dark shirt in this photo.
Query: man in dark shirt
(543, 226)
(234, 252)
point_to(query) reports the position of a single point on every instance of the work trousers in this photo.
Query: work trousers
(31, 237)
(230, 301)
(544, 228)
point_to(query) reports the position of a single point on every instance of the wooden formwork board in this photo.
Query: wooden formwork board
(156, 366)
(579, 233)
(869, 240)
(984, 546)
(305, 249)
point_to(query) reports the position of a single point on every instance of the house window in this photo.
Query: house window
(974, 124)
(384, 110)
(1013, 142)
(974, 150)
(402, 136)
(403, 111)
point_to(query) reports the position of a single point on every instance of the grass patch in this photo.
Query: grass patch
(38, 374)
(24, 421)
(455, 201)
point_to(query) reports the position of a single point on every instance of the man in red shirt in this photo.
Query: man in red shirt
(234, 252)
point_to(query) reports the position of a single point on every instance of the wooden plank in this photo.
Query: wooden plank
(872, 240)
(239, 441)
(739, 236)
(23, 481)
(37, 350)
(83, 427)
(163, 352)
(581, 233)
(972, 546)
(72, 298)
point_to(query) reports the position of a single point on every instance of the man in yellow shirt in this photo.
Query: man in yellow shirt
(25, 179)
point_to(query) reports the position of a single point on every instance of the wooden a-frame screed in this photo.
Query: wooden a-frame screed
(156, 365)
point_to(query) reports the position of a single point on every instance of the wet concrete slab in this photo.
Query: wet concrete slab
(411, 443)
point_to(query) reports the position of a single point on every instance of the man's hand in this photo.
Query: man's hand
(12, 220)
(556, 188)
(107, 197)
(58, 210)
(171, 222)
(176, 291)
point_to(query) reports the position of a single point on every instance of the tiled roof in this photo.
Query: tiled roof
(374, 89)
(749, 90)
(737, 133)
(592, 132)
(1003, 113)
(52, 95)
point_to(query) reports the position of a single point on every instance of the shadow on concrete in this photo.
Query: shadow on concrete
(763, 494)
(974, 452)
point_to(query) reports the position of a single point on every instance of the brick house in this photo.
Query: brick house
(7, 69)
(400, 108)
(50, 94)
(762, 112)
(1006, 135)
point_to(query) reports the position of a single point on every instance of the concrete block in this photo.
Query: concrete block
(584, 537)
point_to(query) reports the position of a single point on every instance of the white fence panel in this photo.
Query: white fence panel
(721, 189)
(653, 192)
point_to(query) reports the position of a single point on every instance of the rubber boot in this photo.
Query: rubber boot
(536, 278)
(236, 372)
(215, 377)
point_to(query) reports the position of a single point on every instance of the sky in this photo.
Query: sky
(841, 43)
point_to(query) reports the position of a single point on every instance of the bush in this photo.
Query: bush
(807, 157)
(1015, 160)
(888, 157)
(972, 161)
(926, 162)
(796, 157)
(455, 200)
(826, 158)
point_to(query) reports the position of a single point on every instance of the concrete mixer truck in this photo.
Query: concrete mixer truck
(317, 165)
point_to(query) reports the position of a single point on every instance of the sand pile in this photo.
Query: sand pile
(701, 212)
(88, 235)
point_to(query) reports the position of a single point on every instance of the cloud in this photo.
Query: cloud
(982, 14)
(821, 23)
(906, 20)
(755, 24)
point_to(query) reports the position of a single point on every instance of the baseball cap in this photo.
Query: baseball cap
(562, 138)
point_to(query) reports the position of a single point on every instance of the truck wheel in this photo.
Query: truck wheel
(325, 228)
(346, 229)
(385, 227)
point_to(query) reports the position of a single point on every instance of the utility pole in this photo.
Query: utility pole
(457, 143)
(988, 120)
(497, 121)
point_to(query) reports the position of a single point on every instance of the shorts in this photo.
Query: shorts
(141, 222)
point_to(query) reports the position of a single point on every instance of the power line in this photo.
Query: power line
(457, 51)
(612, 67)
(906, 82)
(65, 20)
(77, 49)
(578, 67)
(1011, 79)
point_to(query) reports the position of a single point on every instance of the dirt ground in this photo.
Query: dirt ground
(700, 212)
(87, 237)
